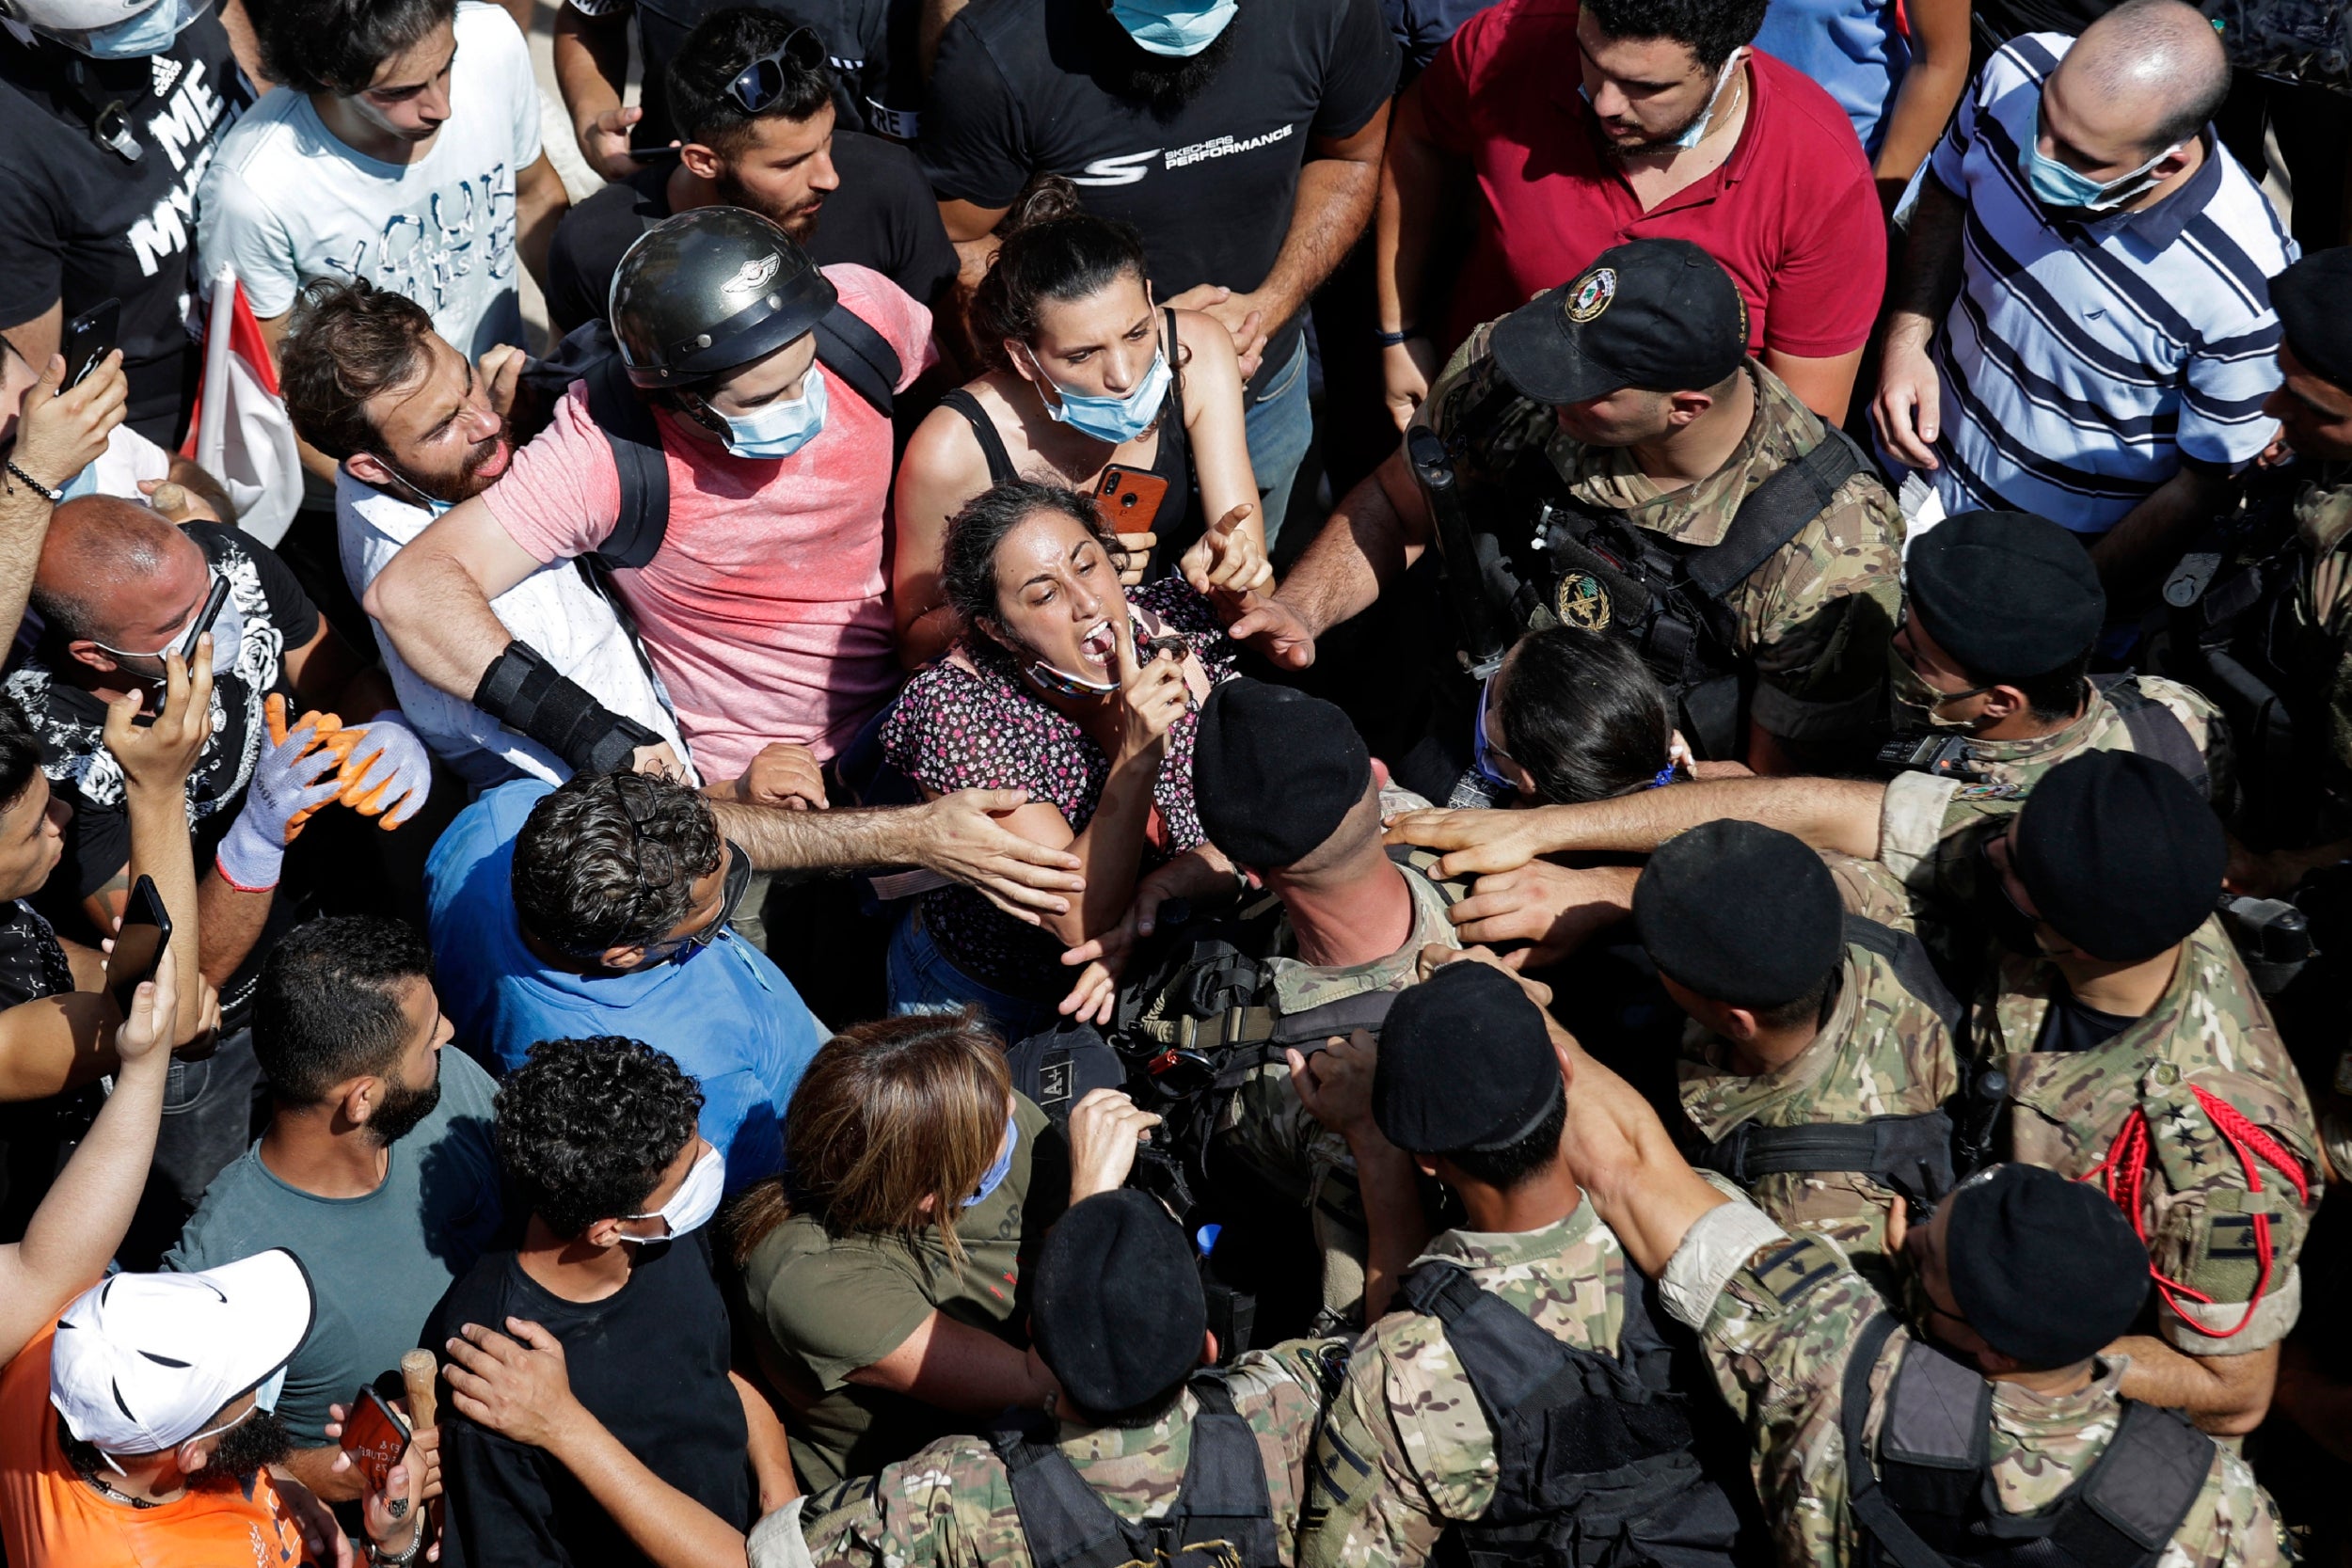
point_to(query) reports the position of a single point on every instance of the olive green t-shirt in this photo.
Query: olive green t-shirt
(828, 1304)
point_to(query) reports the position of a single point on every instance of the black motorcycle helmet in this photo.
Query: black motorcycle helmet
(708, 289)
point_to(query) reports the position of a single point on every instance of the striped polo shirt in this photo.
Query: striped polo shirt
(2083, 362)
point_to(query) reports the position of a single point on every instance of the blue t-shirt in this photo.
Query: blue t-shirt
(1850, 47)
(725, 1014)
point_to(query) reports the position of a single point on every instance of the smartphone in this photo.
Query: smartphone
(139, 944)
(204, 619)
(1129, 498)
(647, 153)
(90, 337)
(374, 1435)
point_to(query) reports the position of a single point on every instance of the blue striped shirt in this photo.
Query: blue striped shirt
(2082, 362)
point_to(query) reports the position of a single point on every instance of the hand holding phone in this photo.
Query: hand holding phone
(88, 338)
(375, 1437)
(139, 944)
(1129, 498)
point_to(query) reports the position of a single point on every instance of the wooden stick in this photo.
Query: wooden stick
(418, 1370)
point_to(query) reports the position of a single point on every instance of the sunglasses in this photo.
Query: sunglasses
(759, 84)
(1483, 752)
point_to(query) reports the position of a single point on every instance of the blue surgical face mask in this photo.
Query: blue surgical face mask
(783, 427)
(1696, 130)
(2053, 184)
(995, 1176)
(1112, 419)
(434, 505)
(1165, 28)
(83, 484)
(151, 32)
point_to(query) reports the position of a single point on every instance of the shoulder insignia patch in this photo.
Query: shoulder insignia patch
(1988, 792)
(1582, 601)
(1789, 1270)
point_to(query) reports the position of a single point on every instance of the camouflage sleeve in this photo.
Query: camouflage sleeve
(1931, 834)
(1404, 1449)
(1281, 1391)
(2229, 1224)
(2233, 1524)
(948, 1506)
(1870, 890)
(1818, 616)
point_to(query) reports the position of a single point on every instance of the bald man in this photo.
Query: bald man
(118, 587)
(2099, 351)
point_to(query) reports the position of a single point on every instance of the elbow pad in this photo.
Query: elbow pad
(521, 690)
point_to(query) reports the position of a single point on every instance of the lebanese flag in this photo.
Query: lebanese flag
(240, 434)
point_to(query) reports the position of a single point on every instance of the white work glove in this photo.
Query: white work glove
(387, 770)
(286, 788)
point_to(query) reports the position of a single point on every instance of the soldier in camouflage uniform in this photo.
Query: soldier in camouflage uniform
(1593, 402)
(1119, 1320)
(2021, 1278)
(1811, 1005)
(1468, 1083)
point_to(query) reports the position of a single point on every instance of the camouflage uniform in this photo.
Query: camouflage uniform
(1924, 816)
(1882, 1052)
(1265, 1126)
(1778, 1332)
(1815, 620)
(1406, 1448)
(2319, 618)
(951, 1506)
(2208, 1031)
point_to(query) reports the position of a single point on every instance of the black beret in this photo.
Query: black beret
(2045, 1270)
(2309, 297)
(1741, 914)
(2121, 856)
(2008, 594)
(1274, 771)
(1465, 1063)
(1117, 1309)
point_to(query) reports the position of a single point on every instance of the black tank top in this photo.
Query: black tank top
(1179, 524)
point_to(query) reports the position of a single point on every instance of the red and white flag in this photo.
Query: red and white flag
(240, 434)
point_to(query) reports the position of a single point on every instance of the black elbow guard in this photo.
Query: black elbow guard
(521, 690)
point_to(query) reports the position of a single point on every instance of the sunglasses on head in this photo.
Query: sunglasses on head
(759, 84)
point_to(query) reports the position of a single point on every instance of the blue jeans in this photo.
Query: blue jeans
(1280, 425)
(923, 981)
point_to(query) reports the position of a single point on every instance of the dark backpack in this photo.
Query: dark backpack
(1923, 1501)
(1223, 1517)
(1596, 1456)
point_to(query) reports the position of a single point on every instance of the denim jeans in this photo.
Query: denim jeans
(207, 1123)
(923, 981)
(1280, 425)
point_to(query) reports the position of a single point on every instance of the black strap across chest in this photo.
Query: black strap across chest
(2155, 730)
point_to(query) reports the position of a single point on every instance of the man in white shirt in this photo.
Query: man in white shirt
(417, 429)
(404, 148)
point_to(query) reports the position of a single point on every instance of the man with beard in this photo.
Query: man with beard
(376, 1169)
(1243, 141)
(1677, 128)
(753, 98)
(139, 1431)
(417, 429)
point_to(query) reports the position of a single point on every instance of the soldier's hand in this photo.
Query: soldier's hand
(1907, 412)
(783, 775)
(1105, 1128)
(1335, 1082)
(1475, 843)
(1553, 909)
(1406, 369)
(1264, 621)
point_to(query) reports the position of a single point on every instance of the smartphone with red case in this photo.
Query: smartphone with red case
(1129, 498)
(375, 1437)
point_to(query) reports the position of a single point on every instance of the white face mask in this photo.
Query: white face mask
(691, 1207)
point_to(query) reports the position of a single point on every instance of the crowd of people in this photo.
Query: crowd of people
(1232, 783)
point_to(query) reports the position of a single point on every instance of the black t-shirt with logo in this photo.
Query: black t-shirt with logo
(1210, 186)
(81, 223)
(881, 218)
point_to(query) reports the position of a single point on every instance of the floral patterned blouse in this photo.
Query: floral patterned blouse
(985, 728)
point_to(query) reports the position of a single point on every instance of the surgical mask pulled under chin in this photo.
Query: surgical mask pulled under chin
(995, 1176)
(691, 1207)
(1112, 419)
(1162, 28)
(1696, 132)
(2053, 184)
(151, 32)
(783, 427)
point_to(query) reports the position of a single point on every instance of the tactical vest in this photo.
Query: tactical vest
(1557, 561)
(1223, 1517)
(1924, 1502)
(2154, 729)
(1912, 1155)
(1595, 1455)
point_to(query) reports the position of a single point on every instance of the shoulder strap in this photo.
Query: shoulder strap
(1873, 1511)
(1064, 1521)
(1224, 1481)
(638, 460)
(1774, 512)
(1908, 957)
(2156, 731)
(1000, 466)
(1911, 1154)
(860, 355)
(2136, 1497)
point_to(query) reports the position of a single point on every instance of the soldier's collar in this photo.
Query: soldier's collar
(1503, 1249)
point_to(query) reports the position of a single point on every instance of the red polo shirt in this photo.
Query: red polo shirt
(1793, 215)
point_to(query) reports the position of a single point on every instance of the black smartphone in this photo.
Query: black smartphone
(90, 337)
(204, 619)
(139, 944)
(648, 154)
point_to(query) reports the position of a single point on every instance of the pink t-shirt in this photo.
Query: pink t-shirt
(765, 612)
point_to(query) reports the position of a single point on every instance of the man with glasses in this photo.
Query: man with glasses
(602, 908)
(751, 96)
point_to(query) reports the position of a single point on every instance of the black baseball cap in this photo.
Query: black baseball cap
(1661, 315)
(2309, 297)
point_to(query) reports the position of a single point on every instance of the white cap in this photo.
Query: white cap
(142, 1361)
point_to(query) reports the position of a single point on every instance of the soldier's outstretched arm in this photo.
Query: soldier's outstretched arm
(1374, 536)
(2225, 1395)
(1829, 814)
(1367, 1505)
